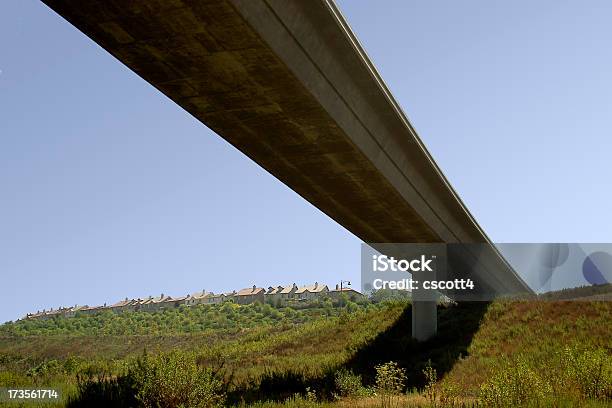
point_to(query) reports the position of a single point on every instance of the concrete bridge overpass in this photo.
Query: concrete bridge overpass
(287, 83)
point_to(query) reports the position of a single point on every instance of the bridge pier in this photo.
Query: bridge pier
(424, 319)
(424, 307)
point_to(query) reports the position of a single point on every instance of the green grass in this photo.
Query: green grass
(534, 329)
(306, 341)
(226, 317)
(545, 349)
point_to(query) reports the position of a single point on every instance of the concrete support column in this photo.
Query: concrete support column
(424, 319)
(424, 308)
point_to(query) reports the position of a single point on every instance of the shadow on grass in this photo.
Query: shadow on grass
(104, 392)
(456, 328)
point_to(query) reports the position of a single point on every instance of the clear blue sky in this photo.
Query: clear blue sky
(108, 189)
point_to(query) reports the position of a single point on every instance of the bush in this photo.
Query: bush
(390, 381)
(175, 380)
(514, 384)
(450, 395)
(590, 371)
(170, 380)
(48, 367)
(572, 374)
(349, 384)
(431, 377)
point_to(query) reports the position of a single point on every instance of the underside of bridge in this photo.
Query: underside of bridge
(287, 84)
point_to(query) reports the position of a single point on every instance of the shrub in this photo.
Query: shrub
(352, 307)
(349, 384)
(48, 367)
(170, 380)
(572, 374)
(431, 377)
(590, 371)
(514, 384)
(174, 380)
(390, 381)
(449, 395)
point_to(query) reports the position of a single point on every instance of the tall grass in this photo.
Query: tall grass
(524, 353)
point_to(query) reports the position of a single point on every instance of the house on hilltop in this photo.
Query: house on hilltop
(173, 303)
(214, 298)
(196, 298)
(350, 293)
(273, 290)
(288, 292)
(71, 311)
(311, 292)
(137, 304)
(279, 295)
(122, 305)
(155, 303)
(205, 298)
(89, 310)
(43, 315)
(250, 295)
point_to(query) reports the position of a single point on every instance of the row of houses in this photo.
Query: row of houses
(276, 295)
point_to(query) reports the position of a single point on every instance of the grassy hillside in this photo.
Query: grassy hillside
(534, 332)
(226, 317)
(551, 352)
(306, 341)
